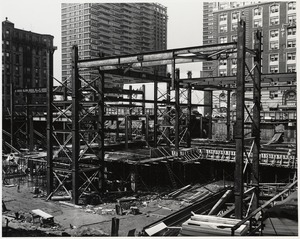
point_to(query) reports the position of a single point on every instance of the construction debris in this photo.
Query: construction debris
(204, 225)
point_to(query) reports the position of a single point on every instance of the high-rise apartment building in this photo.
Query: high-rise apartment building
(112, 29)
(24, 63)
(277, 22)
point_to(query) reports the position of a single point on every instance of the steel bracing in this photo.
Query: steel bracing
(91, 114)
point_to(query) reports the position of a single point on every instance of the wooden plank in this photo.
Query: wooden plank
(42, 214)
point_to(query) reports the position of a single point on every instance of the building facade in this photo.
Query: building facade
(24, 63)
(112, 29)
(276, 20)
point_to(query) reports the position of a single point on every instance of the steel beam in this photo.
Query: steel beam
(156, 58)
(256, 119)
(239, 129)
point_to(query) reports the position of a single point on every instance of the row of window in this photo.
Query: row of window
(272, 69)
(290, 56)
(274, 42)
(258, 23)
(274, 8)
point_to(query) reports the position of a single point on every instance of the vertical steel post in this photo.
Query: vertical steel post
(256, 119)
(155, 111)
(177, 111)
(143, 109)
(209, 133)
(189, 115)
(100, 130)
(126, 132)
(228, 115)
(75, 125)
(31, 133)
(12, 112)
(239, 131)
(130, 113)
(49, 123)
(167, 117)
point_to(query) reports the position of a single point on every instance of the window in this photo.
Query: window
(257, 11)
(291, 68)
(292, 19)
(273, 94)
(223, 17)
(233, 61)
(273, 57)
(234, 38)
(233, 71)
(223, 62)
(291, 56)
(292, 6)
(235, 16)
(223, 28)
(257, 23)
(274, 8)
(291, 31)
(222, 72)
(223, 39)
(234, 26)
(273, 69)
(274, 21)
(274, 45)
(291, 43)
(223, 5)
(274, 33)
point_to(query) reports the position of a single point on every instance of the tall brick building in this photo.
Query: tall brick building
(24, 62)
(277, 21)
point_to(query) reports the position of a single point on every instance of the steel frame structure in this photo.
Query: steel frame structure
(84, 162)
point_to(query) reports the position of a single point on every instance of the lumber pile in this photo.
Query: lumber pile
(205, 225)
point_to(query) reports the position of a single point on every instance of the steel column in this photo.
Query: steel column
(12, 112)
(144, 110)
(49, 123)
(75, 125)
(167, 117)
(228, 115)
(177, 110)
(189, 115)
(256, 119)
(209, 133)
(239, 130)
(155, 111)
(100, 130)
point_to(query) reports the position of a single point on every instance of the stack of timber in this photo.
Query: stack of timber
(205, 225)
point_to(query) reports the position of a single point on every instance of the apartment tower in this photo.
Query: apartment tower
(112, 29)
(276, 20)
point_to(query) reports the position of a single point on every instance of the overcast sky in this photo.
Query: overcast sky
(44, 17)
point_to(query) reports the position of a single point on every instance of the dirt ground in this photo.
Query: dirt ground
(69, 221)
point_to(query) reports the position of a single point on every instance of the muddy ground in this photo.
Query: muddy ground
(89, 220)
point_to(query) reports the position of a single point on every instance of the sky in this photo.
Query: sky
(44, 17)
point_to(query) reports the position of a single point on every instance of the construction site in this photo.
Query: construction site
(101, 163)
